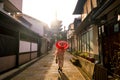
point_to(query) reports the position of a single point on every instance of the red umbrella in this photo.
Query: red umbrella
(62, 44)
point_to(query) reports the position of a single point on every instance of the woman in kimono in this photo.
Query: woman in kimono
(61, 46)
(59, 57)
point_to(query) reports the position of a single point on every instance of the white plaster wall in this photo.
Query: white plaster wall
(24, 46)
(34, 47)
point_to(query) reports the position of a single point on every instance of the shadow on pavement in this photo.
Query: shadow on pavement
(35, 71)
(62, 76)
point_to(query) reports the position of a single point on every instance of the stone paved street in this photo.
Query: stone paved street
(46, 69)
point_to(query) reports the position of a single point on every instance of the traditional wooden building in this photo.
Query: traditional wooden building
(21, 36)
(107, 18)
(70, 37)
(99, 35)
(87, 35)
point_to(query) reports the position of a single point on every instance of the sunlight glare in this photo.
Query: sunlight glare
(48, 10)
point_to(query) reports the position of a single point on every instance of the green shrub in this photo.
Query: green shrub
(85, 55)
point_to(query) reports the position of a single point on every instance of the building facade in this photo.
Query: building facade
(70, 37)
(107, 17)
(98, 35)
(21, 36)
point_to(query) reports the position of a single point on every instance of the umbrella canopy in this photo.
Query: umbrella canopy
(62, 44)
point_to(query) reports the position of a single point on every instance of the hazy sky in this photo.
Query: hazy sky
(46, 10)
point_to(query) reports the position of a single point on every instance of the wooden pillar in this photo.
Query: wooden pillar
(17, 51)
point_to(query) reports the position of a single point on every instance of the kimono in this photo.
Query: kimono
(59, 54)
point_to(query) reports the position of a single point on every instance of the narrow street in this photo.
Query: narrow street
(89, 29)
(46, 69)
